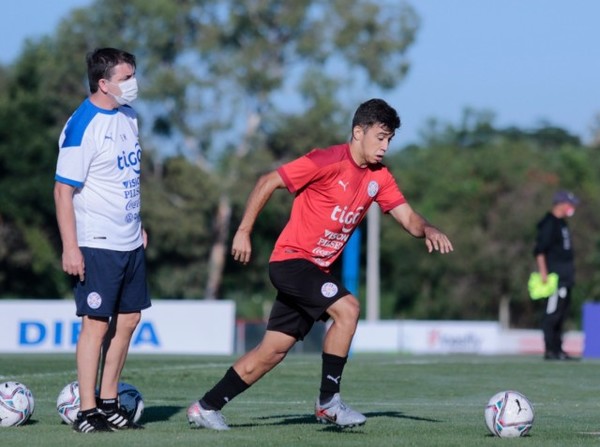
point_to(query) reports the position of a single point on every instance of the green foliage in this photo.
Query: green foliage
(376, 29)
(488, 198)
(177, 207)
(32, 111)
(210, 74)
(231, 89)
(29, 267)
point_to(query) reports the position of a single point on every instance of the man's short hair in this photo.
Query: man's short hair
(102, 61)
(376, 111)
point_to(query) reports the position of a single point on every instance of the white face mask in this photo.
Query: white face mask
(129, 91)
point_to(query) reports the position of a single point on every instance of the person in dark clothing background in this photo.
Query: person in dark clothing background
(554, 254)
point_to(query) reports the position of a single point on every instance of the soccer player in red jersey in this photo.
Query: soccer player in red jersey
(333, 189)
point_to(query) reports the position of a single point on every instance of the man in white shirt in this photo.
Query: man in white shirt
(97, 198)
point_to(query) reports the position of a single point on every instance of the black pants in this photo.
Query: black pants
(557, 307)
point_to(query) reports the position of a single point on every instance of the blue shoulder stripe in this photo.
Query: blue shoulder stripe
(79, 121)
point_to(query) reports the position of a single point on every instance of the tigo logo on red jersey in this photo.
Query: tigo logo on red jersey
(348, 219)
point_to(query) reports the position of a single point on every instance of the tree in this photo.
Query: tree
(212, 71)
(231, 89)
(261, 43)
(33, 108)
(487, 195)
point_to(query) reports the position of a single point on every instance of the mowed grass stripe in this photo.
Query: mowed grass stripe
(409, 400)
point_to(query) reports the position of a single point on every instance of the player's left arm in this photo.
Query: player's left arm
(418, 226)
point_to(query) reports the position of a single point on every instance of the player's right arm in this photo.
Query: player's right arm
(72, 259)
(241, 248)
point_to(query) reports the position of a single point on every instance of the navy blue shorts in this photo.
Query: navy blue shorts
(115, 282)
(304, 293)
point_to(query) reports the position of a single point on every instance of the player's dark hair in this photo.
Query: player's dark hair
(376, 111)
(102, 61)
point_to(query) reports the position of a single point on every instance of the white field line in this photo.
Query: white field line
(73, 372)
(128, 369)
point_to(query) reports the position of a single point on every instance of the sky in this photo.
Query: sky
(530, 62)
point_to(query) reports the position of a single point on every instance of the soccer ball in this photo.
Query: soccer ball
(31, 402)
(68, 402)
(16, 404)
(131, 400)
(509, 414)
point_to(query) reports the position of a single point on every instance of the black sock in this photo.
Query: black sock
(90, 411)
(225, 390)
(108, 405)
(331, 376)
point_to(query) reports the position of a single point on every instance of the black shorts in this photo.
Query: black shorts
(115, 282)
(304, 293)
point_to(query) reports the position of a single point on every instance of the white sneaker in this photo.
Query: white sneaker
(336, 412)
(201, 418)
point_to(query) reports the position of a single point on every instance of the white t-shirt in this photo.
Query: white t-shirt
(100, 156)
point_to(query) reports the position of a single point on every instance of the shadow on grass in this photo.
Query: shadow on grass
(310, 419)
(159, 413)
(399, 415)
(298, 420)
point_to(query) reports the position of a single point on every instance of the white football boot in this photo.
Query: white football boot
(200, 418)
(336, 412)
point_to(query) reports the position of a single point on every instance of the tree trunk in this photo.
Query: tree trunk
(218, 252)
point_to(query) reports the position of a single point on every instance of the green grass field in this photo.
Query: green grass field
(409, 400)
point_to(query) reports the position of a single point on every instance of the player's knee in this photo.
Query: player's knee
(350, 311)
(276, 357)
(259, 361)
(129, 321)
(94, 327)
(270, 355)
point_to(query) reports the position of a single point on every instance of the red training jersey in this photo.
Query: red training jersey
(333, 195)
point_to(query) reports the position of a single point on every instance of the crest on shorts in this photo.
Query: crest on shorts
(94, 300)
(373, 188)
(329, 290)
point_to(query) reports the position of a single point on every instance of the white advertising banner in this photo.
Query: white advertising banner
(168, 327)
(427, 337)
(377, 336)
(444, 337)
